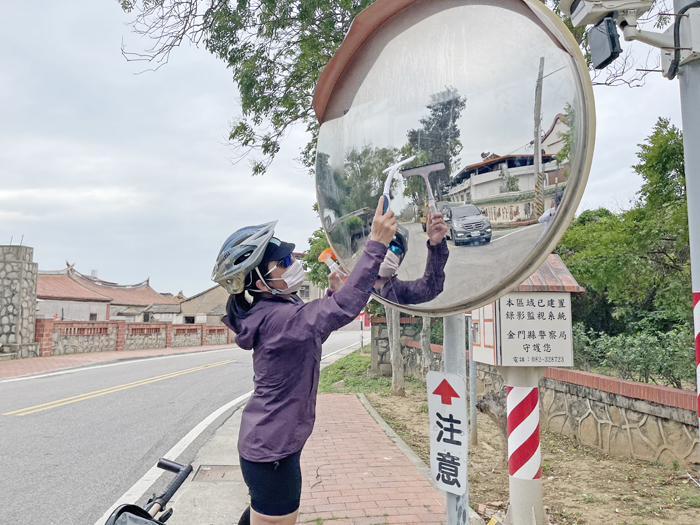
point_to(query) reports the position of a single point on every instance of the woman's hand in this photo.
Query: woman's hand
(436, 228)
(335, 281)
(383, 224)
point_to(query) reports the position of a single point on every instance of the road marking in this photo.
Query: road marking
(149, 478)
(518, 230)
(154, 473)
(338, 351)
(111, 390)
(107, 365)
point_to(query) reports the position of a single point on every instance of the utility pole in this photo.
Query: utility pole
(473, 440)
(454, 362)
(689, 80)
(537, 153)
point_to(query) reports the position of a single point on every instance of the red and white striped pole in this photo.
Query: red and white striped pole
(524, 453)
(696, 322)
(524, 456)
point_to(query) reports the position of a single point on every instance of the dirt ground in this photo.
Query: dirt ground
(581, 485)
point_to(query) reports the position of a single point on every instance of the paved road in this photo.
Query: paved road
(73, 443)
(471, 269)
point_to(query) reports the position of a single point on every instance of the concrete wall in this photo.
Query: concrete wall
(71, 310)
(18, 278)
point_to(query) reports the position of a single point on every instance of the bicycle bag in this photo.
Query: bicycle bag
(131, 515)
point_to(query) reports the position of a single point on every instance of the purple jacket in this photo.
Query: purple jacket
(424, 289)
(286, 337)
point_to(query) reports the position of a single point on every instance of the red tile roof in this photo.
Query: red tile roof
(71, 285)
(552, 276)
(123, 295)
(64, 288)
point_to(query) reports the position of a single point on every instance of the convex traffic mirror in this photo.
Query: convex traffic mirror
(488, 109)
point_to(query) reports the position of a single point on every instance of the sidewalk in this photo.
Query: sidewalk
(40, 365)
(354, 474)
(355, 471)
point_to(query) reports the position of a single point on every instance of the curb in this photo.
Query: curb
(416, 461)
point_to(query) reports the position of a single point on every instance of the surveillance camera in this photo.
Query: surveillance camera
(587, 12)
(604, 43)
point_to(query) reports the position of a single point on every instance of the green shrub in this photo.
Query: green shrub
(644, 356)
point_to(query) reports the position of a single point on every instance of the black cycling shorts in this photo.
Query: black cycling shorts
(275, 487)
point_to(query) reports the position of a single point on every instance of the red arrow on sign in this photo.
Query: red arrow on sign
(446, 392)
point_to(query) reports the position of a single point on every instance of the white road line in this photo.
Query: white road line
(128, 362)
(149, 478)
(516, 231)
(338, 351)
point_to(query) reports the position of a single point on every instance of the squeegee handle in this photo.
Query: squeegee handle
(433, 208)
(386, 203)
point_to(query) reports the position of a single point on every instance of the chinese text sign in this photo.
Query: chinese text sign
(534, 329)
(447, 408)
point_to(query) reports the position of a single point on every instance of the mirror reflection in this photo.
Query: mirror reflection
(456, 122)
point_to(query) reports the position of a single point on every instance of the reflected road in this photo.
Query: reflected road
(488, 262)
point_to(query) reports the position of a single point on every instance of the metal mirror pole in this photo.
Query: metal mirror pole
(473, 440)
(689, 80)
(454, 362)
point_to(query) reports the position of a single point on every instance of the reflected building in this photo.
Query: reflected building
(504, 185)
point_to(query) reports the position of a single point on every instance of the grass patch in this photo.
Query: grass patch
(351, 374)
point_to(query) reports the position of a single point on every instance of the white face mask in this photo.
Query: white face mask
(294, 277)
(389, 265)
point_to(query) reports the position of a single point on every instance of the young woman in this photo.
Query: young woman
(286, 334)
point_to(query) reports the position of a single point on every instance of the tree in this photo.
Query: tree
(438, 138)
(393, 325)
(637, 262)
(317, 272)
(276, 51)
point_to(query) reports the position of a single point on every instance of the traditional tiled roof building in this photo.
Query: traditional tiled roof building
(69, 294)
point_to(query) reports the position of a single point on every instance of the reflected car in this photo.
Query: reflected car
(469, 224)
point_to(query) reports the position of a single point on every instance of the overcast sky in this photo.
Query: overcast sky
(130, 174)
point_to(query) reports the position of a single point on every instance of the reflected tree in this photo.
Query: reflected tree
(438, 137)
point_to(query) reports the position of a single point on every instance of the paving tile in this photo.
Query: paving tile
(362, 474)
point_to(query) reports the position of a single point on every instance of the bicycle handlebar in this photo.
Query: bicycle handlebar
(170, 466)
(181, 473)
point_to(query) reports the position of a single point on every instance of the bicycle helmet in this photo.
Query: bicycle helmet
(240, 254)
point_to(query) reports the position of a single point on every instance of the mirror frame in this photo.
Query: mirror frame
(370, 20)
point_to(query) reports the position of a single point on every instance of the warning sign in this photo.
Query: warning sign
(447, 408)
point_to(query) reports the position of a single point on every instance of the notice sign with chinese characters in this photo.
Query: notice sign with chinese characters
(448, 431)
(534, 329)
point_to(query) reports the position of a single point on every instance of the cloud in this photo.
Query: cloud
(129, 173)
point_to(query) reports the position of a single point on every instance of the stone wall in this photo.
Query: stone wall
(68, 339)
(622, 418)
(145, 335)
(217, 336)
(187, 335)
(18, 278)
(72, 337)
(416, 362)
